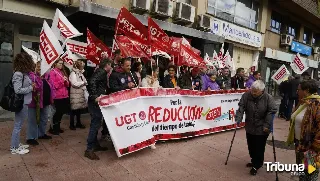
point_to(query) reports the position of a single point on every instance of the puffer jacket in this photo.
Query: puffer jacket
(258, 112)
(77, 90)
(60, 85)
(98, 84)
(119, 80)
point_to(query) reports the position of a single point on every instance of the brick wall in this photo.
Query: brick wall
(310, 5)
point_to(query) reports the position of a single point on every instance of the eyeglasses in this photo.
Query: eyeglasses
(171, 70)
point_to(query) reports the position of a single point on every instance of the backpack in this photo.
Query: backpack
(11, 101)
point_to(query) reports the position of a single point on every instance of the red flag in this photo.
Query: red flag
(96, 49)
(130, 26)
(130, 48)
(175, 46)
(189, 58)
(157, 37)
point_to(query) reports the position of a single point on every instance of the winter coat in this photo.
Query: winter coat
(60, 85)
(22, 86)
(119, 80)
(197, 82)
(293, 87)
(185, 81)
(146, 82)
(258, 112)
(36, 79)
(237, 82)
(167, 83)
(250, 81)
(77, 90)
(209, 83)
(224, 82)
(98, 84)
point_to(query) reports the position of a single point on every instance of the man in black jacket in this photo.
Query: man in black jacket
(237, 82)
(292, 95)
(97, 87)
(259, 108)
(122, 78)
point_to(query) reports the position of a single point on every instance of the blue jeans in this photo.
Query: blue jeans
(18, 122)
(34, 130)
(96, 118)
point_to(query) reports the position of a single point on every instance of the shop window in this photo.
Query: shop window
(275, 24)
(292, 29)
(30, 29)
(306, 36)
(6, 41)
(243, 12)
(316, 39)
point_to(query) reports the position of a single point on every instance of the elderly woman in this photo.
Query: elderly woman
(305, 125)
(259, 107)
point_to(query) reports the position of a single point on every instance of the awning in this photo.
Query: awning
(93, 8)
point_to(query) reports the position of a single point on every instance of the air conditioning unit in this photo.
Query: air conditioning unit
(140, 5)
(185, 12)
(163, 8)
(204, 22)
(286, 40)
(316, 50)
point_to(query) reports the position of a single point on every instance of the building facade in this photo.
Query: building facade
(291, 27)
(20, 24)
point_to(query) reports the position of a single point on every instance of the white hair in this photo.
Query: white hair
(258, 84)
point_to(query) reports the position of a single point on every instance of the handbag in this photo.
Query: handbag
(11, 101)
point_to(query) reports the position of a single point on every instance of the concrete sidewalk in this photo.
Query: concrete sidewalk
(201, 158)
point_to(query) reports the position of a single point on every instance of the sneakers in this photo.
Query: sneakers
(23, 146)
(153, 146)
(19, 151)
(32, 142)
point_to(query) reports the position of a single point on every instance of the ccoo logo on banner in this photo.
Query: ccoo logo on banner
(281, 74)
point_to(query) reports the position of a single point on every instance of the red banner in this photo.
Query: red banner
(130, 48)
(157, 37)
(130, 26)
(96, 49)
(189, 58)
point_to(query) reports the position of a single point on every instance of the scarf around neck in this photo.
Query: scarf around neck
(290, 139)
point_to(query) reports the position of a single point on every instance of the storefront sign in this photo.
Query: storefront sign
(300, 48)
(236, 33)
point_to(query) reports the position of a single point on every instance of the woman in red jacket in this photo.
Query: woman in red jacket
(61, 96)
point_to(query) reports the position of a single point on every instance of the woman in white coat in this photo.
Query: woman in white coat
(78, 93)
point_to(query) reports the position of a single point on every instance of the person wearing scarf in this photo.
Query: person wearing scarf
(304, 129)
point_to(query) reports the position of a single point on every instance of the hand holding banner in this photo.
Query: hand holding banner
(281, 74)
(50, 48)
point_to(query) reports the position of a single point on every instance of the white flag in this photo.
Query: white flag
(34, 55)
(62, 28)
(255, 58)
(233, 68)
(281, 74)
(50, 48)
(77, 47)
(298, 65)
(68, 62)
(207, 60)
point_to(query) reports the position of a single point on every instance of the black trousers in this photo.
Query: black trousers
(105, 130)
(62, 107)
(77, 114)
(256, 147)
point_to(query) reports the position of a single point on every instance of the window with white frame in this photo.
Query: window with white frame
(243, 12)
